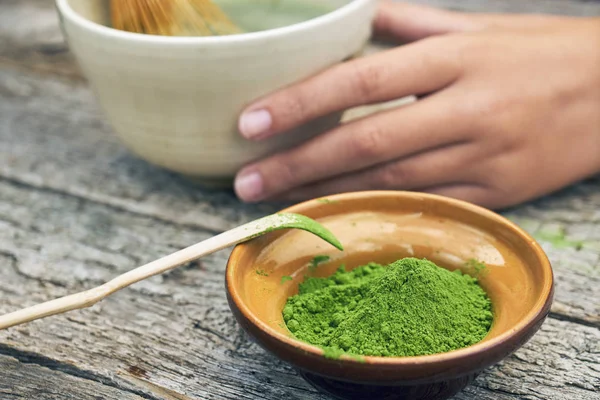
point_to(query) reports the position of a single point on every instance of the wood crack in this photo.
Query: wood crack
(19, 226)
(46, 189)
(26, 357)
(575, 320)
(14, 264)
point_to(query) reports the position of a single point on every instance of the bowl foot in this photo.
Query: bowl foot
(353, 391)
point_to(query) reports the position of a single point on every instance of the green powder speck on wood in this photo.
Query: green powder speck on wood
(411, 307)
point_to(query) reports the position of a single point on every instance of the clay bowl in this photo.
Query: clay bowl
(383, 227)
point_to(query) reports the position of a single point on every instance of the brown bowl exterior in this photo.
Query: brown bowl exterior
(383, 226)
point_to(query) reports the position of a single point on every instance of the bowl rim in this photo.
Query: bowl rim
(539, 308)
(339, 13)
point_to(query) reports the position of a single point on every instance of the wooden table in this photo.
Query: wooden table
(76, 208)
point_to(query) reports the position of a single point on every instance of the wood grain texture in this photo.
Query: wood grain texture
(26, 380)
(30, 38)
(175, 331)
(567, 225)
(76, 209)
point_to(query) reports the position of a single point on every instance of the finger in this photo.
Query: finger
(410, 22)
(409, 70)
(471, 192)
(386, 136)
(429, 169)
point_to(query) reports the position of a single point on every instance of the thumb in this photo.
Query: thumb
(409, 22)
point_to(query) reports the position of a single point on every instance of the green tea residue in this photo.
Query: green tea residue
(253, 15)
(325, 200)
(262, 272)
(559, 240)
(315, 262)
(411, 307)
(476, 268)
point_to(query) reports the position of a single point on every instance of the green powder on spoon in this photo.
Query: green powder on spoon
(411, 307)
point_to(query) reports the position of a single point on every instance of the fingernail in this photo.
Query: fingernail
(249, 187)
(256, 123)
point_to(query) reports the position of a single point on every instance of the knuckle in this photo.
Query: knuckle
(366, 80)
(485, 111)
(448, 51)
(396, 175)
(292, 105)
(367, 142)
(500, 177)
(491, 106)
(387, 178)
(479, 195)
(284, 174)
(437, 42)
(494, 197)
(467, 47)
(487, 198)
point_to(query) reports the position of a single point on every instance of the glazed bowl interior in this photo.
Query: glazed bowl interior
(383, 227)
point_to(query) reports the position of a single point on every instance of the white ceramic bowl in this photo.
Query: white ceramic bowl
(175, 101)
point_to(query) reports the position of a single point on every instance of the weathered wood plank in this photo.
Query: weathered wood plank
(177, 327)
(29, 35)
(31, 381)
(559, 363)
(532, 372)
(54, 135)
(175, 333)
(567, 225)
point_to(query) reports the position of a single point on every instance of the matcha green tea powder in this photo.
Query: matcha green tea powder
(411, 307)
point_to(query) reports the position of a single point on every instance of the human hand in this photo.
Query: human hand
(508, 110)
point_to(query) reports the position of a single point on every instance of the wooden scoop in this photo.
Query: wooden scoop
(232, 237)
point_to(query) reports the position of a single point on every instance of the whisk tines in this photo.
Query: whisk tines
(171, 17)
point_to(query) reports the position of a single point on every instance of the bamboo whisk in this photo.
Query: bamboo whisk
(171, 17)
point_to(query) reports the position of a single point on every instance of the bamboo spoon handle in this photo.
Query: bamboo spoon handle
(226, 239)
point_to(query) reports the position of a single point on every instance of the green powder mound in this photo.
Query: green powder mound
(411, 307)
